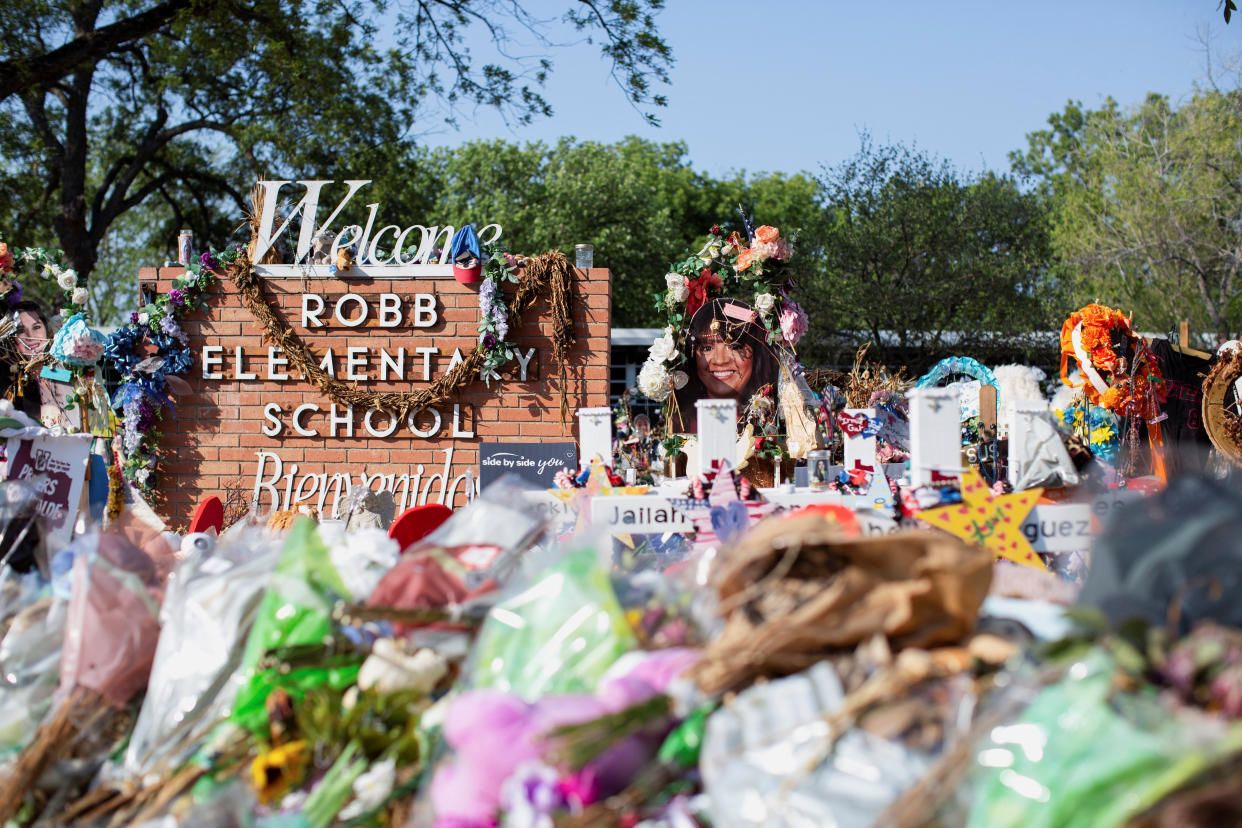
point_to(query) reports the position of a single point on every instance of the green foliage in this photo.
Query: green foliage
(112, 105)
(1146, 207)
(914, 255)
(638, 202)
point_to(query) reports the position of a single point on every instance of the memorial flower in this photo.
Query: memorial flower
(68, 279)
(794, 322)
(764, 302)
(654, 381)
(80, 296)
(664, 348)
(705, 287)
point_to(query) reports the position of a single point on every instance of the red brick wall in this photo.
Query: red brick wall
(216, 441)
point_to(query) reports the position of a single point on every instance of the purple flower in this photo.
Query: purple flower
(177, 296)
(15, 294)
(133, 318)
(208, 261)
(489, 341)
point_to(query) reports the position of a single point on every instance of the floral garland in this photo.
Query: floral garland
(1097, 425)
(498, 267)
(144, 390)
(758, 266)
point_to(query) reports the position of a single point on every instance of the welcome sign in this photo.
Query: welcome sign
(394, 322)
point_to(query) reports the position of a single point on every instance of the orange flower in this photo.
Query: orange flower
(744, 260)
(767, 234)
(6, 258)
(1111, 399)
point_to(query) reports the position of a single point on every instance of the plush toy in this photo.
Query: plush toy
(344, 260)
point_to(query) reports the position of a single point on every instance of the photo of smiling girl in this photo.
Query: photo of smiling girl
(730, 355)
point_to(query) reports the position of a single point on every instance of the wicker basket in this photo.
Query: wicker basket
(761, 471)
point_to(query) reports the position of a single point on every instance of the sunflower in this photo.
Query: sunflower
(276, 771)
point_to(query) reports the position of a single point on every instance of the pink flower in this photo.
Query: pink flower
(794, 322)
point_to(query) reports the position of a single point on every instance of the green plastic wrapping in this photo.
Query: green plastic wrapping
(1085, 755)
(296, 609)
(559, 634)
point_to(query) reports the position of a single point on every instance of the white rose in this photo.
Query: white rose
(79, 296)
(144, 318)
(389, 668)
(52, 270)
(653, 381)
(371, 789)
(679, 293)
(664, 348)
(765, 302)
(680, 378)
(673, 280)
(67, 279)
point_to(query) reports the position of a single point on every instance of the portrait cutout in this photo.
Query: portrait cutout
(728, 357)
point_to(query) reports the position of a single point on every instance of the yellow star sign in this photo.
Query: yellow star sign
(992, 522)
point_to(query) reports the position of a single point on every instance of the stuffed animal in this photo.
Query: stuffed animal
(344, 259)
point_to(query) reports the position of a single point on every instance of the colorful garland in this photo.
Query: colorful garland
(144, 390)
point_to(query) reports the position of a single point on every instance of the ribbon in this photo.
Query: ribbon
(1084, 360)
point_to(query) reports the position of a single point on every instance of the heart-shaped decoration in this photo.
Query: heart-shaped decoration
(729, 521)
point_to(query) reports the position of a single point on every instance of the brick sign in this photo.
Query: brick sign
(252, 422)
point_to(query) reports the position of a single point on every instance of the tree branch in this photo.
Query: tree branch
(19, 75)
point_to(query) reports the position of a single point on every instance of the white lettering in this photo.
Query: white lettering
(372, 253)
(456, 430)
(310, 315)
(297, 419)
(389, 310)
(273, 411)
(362, 304)
(455, 361)
(274, 362)
(210, 360)
(308, 207)
(347, 420)
(387, 363)
(238, 373)
(328, 366)
(266, 485)
(524, 363)
(392, 423)
(366, 234)
(425, 314)
(355, 357)
(426, 355)
(430, 432)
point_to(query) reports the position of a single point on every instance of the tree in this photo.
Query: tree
(916, 258)
(108, 105)
(1147, 206)
(640, 204)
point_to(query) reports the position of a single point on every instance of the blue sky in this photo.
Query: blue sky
(787, 86)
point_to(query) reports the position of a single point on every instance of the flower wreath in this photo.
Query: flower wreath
(758, 266)
(1099, 338)
(1120, 373)
(146, 381)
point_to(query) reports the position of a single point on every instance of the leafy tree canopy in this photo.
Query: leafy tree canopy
(106, 105)
(1147, 207)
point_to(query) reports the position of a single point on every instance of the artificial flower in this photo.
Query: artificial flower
(793, 322)
(654, 380)
(80, 296)
(679, 293)
(672, 280)
(764, 302)
(679, 379)
(664, 348)
(371, 789)
(767, 234)
(6, 258)
(389, 668)
(701, 290)
(744, 260)
(68, 279)
(274, 772)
